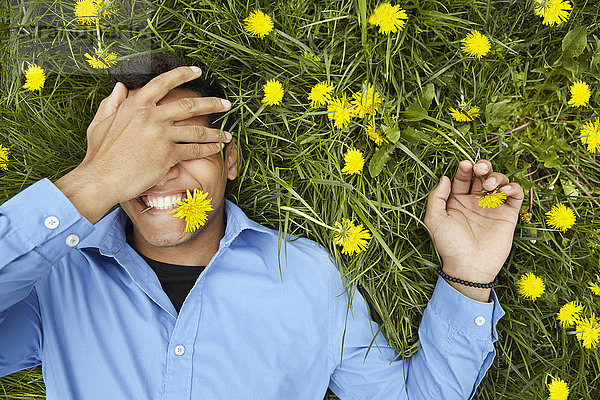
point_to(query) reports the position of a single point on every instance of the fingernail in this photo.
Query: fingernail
(195, 69)
(228, 135)
(491, 181)
(506, 188)
(481, 167)
(226, 103)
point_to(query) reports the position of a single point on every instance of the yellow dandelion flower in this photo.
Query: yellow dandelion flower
(353, 239)
(560, 217)
(553, 11)
(375, 136)
(491, 200)
(475, 44)
(193, 209)
(101, 62)
(354, 162)
(580, 94)
(588, 331)
(86, 11)
(569, 314)
(559, 390)
(594, 288)
(3, 157)
(463, 114)
(34, 78)
(526, 217)
(340, 111)
(531, 286)
(590, 135)
(388, 18)
(273, 92)
(367, 102)
(320, 94)
(258, 23)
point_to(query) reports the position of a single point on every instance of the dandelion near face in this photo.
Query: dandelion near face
(193, 209)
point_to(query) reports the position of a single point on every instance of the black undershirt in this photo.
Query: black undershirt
(176, 280)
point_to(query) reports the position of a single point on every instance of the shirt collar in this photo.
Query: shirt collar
(109, 233)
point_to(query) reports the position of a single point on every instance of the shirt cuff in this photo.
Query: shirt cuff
(470, 317)
(46, 220)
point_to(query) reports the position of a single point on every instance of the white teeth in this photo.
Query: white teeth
(163, 203)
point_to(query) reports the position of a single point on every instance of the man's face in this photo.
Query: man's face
(160, 228)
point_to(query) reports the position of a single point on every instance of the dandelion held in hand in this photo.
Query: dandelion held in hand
(492, 200)
(531, 286)
(193, 209)
(35, 78)
(352, 238)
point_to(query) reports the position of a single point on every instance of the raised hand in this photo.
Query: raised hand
(474, 242)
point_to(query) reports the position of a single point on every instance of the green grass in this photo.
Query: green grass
(293, 154)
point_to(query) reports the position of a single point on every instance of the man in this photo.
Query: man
(129, 306)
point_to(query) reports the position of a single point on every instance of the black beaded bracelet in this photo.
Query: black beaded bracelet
(467, 283)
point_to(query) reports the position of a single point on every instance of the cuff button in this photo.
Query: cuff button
(51, 222)
(480, 320)
(72, 240)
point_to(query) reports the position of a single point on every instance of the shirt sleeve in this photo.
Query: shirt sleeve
(36, 227)
(456, 338)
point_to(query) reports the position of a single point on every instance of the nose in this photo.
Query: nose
(171, 174)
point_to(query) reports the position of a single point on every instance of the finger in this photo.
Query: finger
(159, 86)
(188, 107)
(482, 168)
(198, 134)
(191, 151)
(491, 182)
(515, 194)
(436, 203)
(462, 179)
(109, 104)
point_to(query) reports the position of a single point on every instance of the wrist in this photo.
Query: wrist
(476, 293)
(85, 193)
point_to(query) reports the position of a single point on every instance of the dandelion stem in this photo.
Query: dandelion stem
(518, 128)
(578, 173)
(585, 191)
(457, 146)
(307, 217)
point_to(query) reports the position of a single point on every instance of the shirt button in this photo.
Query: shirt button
(480, 320)
(179, 350)
(72, 240)
(51, 222)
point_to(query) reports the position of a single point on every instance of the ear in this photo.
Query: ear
(233, 159)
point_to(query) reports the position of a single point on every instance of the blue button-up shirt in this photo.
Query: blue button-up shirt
(78, 299)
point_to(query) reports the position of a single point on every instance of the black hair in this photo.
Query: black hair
(137, 71)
